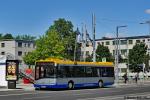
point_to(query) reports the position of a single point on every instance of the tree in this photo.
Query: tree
(58, 42)
(63, 27)
(137, 56)
(8, 36)
(49, 45)
(1, 37)
(25, 37)
(65, 30)
(89, 58)
(30, 58)
(103, 52)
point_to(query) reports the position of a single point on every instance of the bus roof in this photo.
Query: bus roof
(69, 62)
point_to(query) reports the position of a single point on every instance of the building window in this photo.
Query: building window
(2, 53)
(102, 43)
(123, 51)
(2, 44)
(143, 40)
(87, 44)
(137, 41)
(114, 52)
(107, 42)
(123, 42)
(98, 43)
(25, 45)
(29, 44)
(87, 53)
(19, 44)
(34, 45)
(130, 41)
(19, 53)
(114, 42)
(148, 39)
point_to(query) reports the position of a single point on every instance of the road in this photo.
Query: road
(112, 93)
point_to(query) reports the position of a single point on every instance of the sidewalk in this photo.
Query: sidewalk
(132, 83)
(20, 86)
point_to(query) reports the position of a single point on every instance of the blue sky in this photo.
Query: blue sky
(33, 17)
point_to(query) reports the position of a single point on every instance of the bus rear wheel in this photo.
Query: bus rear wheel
(70, 85)
(100, 84)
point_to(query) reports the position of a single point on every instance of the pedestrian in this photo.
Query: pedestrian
(125, 78)
(136, 77)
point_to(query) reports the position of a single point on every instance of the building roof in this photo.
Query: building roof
(131, 37)
(17, 40)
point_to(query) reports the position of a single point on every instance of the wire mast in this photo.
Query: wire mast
(93, 31)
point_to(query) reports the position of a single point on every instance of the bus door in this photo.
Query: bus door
(45, 70)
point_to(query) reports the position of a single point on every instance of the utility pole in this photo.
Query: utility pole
(117, 54)
(84, 45)
(75, 48)
(93, 31)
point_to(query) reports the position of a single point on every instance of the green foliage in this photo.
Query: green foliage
(103, 52)
(137, 56)
(25, 37)
(1, 36)
(58, 42)
(65, 30)
(49, 45)
(30, 58)
(8, 36)
(63, 27)
(89, 58)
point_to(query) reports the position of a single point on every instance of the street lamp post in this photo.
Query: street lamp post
(148, 22)
(117, 54)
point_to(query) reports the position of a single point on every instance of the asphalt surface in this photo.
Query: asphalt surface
(142, 92)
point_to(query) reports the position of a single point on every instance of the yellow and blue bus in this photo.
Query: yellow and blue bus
(55, 73)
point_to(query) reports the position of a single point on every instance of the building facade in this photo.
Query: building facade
(16, 49)
(124, 46)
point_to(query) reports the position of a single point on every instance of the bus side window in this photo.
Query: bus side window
(98, 72)
(37, 72)
(60, 72)
(88, 72)
(94, 72)
(110, 72)
(104, 72)
(41, 72)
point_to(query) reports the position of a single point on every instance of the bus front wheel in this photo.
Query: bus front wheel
(100, 84)
(70, 85)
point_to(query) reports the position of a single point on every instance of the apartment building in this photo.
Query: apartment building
(125, 44)
(16, 49)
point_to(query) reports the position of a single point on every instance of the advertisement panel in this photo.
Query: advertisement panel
(12, 70)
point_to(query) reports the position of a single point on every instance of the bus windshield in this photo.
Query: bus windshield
(45, 70)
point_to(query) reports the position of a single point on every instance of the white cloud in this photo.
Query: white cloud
(147, 11)
(110, 35)
(113, 35)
